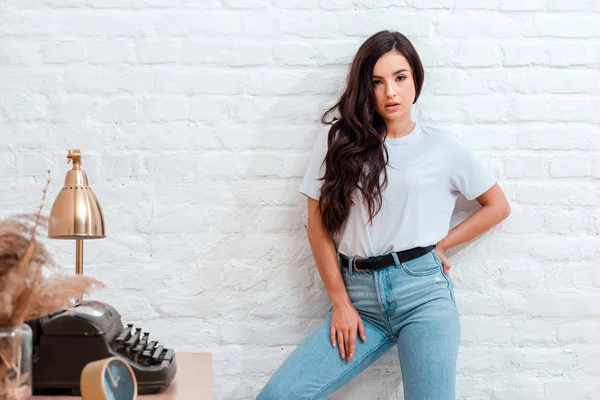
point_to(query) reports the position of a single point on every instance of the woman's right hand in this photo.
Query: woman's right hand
(345, 322)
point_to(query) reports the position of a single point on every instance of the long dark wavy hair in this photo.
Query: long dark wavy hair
(356, 155)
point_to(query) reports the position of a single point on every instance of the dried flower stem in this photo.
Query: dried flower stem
(9, 365)
(42, 203)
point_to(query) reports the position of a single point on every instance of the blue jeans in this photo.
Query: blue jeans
(410, 304)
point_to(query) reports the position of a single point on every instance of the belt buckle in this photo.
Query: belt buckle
(354, 265)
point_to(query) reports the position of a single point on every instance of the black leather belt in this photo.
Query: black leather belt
(378, 262)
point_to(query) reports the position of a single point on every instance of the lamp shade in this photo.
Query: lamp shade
(76, 213)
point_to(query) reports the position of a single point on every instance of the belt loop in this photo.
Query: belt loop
(350, 265)
(396, 261)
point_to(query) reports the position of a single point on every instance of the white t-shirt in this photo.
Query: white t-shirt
(427, 169)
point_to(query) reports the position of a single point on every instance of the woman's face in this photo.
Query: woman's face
(393, 86)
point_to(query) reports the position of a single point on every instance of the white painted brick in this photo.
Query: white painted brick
(462, 54)
(204, 108)
(572, 5)
(66, 3)
(596, 167)
(572, 388)
(338, 52)
(558, 109)
(520, 331)
(293, 4)
(232, 52)
(116, 109)
(63, 108)
(516, 5)
(358, 4)
(157, 51)
(464, 109)
(110, 3)
(287, 82)
(479, 26)
(218, 23)
(32, 4)
(308, 25)
(167, 3)
(574, 54)
(250, 4)
(22, 106)
(488, 137)
(215, 82)
(109, 23)
(570, 166)
(297, 53)
(563, 26)
(165, 108)
(63, 52)
(110, 51)
(553, 194)
(558, 305)
(107, 80)
(521, 276)
(560, 137)
(570, 221)
(525, 389)
(430, 3)
(523, 221)
(280, 109)
(169, 136)
(525, 166)
(559, 248)
(269, 136)
(589, 361)
(518, 53)
(365, 23)
(23, 79)
(571, 275)
(206, 4)
(476, 4)
(21, 51)
(32, 23)
(578, 332)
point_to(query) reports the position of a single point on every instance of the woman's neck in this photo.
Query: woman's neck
(400, 127)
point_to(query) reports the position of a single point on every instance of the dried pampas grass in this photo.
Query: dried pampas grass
(31, 285)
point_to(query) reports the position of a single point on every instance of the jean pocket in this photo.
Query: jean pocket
(421, 266)
(437, 258)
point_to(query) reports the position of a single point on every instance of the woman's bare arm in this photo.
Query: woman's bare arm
(325, 255)
(345, 320)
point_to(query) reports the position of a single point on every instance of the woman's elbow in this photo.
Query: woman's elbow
(505, 211)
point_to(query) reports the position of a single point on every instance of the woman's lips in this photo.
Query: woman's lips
(392, 108)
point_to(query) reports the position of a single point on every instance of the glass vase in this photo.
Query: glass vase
(15, 363)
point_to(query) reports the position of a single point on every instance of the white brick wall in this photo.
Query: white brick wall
(196, 117)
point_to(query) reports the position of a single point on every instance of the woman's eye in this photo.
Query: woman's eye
(401, 78)
(376, 82)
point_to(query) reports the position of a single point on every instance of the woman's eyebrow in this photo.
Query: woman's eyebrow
(395, 73)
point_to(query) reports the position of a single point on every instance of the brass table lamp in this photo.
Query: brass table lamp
(76, 213)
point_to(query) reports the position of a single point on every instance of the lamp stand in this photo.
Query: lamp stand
(79, 262)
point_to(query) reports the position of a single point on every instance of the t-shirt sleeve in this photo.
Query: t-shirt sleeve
(468, 175)
(311, 185)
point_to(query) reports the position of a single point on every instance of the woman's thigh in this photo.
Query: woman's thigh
(429, 333)
(315, 368)
(428, 350)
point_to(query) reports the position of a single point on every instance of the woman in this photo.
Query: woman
(381, 191)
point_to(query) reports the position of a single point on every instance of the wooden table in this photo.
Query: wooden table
(193, 380)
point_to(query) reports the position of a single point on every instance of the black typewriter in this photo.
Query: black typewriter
(64, 342)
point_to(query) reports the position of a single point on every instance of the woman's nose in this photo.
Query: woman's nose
(389, 91)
